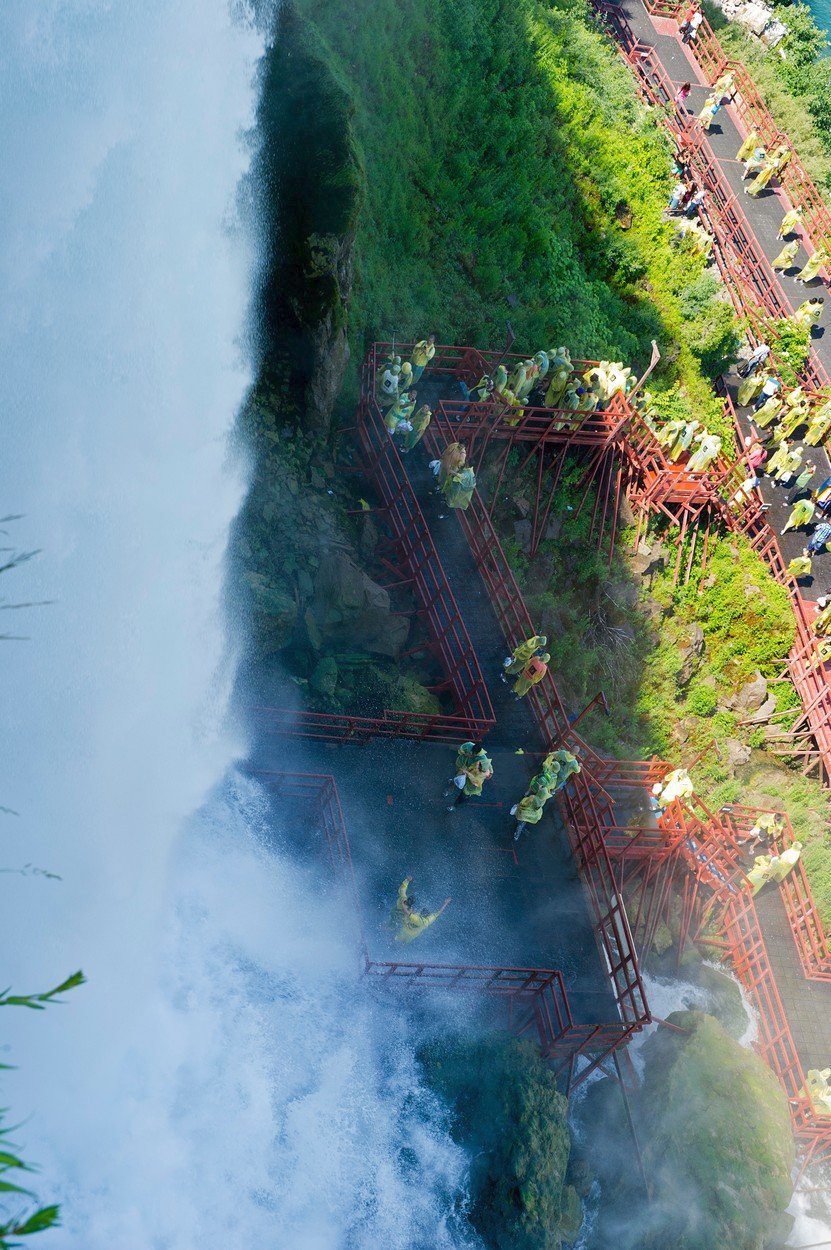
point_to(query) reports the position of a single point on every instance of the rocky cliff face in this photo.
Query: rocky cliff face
(311, 191)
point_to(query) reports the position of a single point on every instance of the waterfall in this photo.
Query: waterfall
(222, 1079)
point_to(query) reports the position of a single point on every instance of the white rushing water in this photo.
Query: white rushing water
(219, 1082)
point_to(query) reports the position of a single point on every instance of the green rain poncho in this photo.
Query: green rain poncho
(684, 439)
(544, 783)
(787, 256)
(813, 265)
(669, 432)
(801, 514)
(529, 809)
(458, 490)
(410, 923)
(534, 671)
(522, 654)
(476, 766)
(542, 363)
(420, 422)
(452, 460)
(517, 379)
(800, 566)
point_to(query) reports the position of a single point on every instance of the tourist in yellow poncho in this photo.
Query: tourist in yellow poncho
(817, 1089)
(784, 461)
(819, 425)
(423, 353)
(812, 266)
(800, 566)
(782, 864)
(683, 440)
(528, 812)
(473, 769)
(411, 923)
(822, 621)
(532, 673)
(500, 380)
(750, 145)
(566, 764)
(521, 654)
(809, 313)
(754, 164)
(750, 388)
(786, 257)
(401, 410)
(560, 373)
(708, 112)
(762, 178)
(677, 785)
(790, 221)
(759, 874)
(768, 412)
(418, 426)
(801, 514)
(709, 447)
(459, 488)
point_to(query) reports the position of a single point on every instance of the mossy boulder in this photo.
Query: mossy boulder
(510, 1117)
(716, 1139)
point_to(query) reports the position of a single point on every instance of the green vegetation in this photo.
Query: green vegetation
(24, 1223)
(717, 1148)
(509, 1116)
(539, 198)
(794, 80)
(717, 1141)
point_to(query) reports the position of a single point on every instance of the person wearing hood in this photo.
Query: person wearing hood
(532, 673)
(790, 221)
(801, 514)
(812, 266)
(473, 769)
(423, 353)
(522, 653)
(459, 488)
(409, 922)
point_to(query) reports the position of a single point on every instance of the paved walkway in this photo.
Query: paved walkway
(807, 1003)
(764, 214)
(514, 904)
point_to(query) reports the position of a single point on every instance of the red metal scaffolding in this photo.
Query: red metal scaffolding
(751, 283)
(535, 999)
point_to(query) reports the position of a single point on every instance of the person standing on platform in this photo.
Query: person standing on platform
(790, 221)
(534, 671)
(695, 203)
(755, 360)
(802, 482)
(819, 425)
(691, 32)
(418, 426)
(528, 811)
(800, 566)
(809, 313)
(452, 459)
(682, 94)
(678, 193)
(521, 654)
(770, 387)
(459, 488)
(708, 112)
(754, 164)
(409, 922)
(755, 453)
(749, 146)
(763, 177)
(750, 389)
(785, 462)
(820, 538)
(786, 257)
(473, 769)
(801, 514)
(423, 353)
(812, 266)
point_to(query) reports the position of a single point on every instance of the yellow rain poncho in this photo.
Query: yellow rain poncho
(522, 654)
(787, 256)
